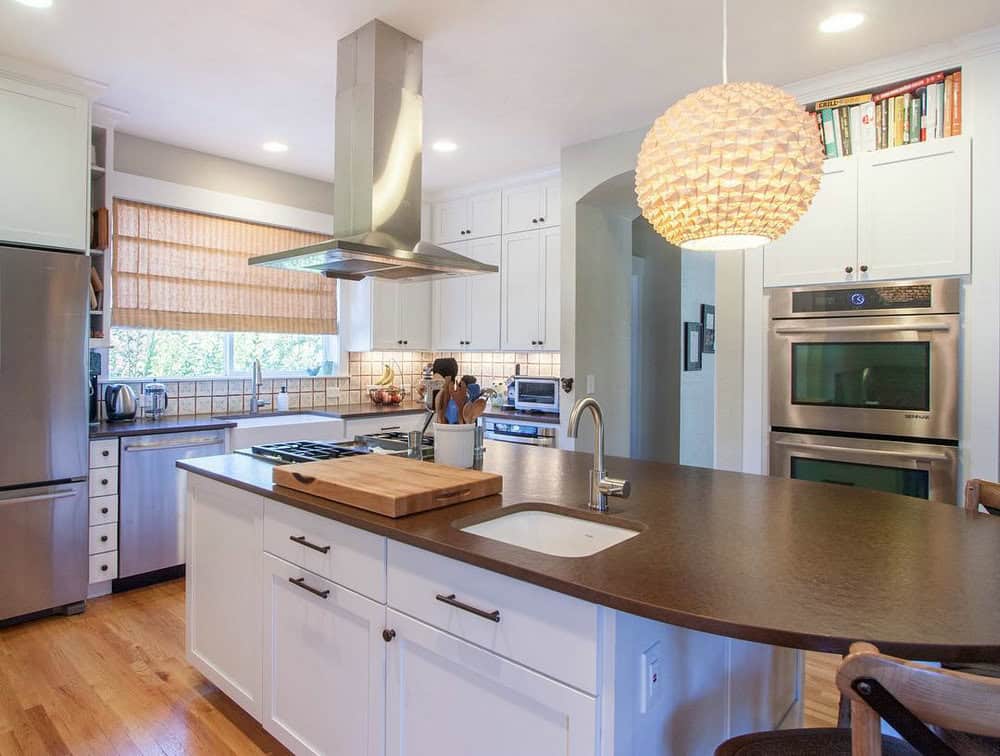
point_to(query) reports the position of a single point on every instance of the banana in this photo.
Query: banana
(386, 378)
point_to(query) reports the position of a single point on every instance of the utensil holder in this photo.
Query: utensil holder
(454, 444)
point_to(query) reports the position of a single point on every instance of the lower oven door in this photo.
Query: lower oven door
(885, 375)
(925, 471)
(519, 433)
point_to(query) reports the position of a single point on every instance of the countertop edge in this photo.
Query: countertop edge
(159, 427)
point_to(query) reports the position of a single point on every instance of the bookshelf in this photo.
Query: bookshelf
(99, 232)
(901, 113)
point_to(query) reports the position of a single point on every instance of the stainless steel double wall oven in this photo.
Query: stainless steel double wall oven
(864, 385)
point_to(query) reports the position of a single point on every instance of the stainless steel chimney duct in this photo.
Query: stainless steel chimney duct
(377, 168)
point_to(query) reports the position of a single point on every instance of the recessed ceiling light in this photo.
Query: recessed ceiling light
(36, 3)
(444, 145)
(841, 22)
(274, 147)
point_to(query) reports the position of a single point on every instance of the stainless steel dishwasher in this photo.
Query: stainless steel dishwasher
(151, 503)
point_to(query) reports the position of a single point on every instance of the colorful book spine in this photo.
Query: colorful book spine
(890, 108)
(956, 103)
(946, 128)
(907, 99)
(868, 131)
(915, 118)
(940, 110)
(854, 119)
(932, 106)
(839, 102)
(923, 114)
(845, 131)
(829, 138)
(838, 133)
(909, 86)
(879, 144)
(884, 104)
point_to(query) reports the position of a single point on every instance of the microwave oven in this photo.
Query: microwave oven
(536, 394)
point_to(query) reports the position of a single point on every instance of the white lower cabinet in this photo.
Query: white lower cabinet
(448, 697)
(324, 664)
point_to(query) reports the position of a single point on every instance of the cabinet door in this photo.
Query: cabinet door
(222, 596)
(522, 207)
(324, 664)
(45, 188)
(915, 210)
(451, 314)
(386, 307)
(414, 313)
(450, 698)
(521, 274)
(451, 218)
(483, 215)
(551, 252)
(824, 243)
(483, 333)
(550, 203)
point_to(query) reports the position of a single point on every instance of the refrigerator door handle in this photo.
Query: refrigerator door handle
(39, 497)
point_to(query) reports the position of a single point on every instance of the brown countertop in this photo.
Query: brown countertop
(786, 562)
(143, 426)
(549, 418)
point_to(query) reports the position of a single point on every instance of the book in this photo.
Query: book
(907, 99)
(900, 119)
(879, 144)
(923, 114)
(932, 104)
(845, 130)
(909, 86)
(890, 108)
(946, 127)
(842, 101)
(867, 129)
(829, 139)
(837, 135)
(915, 118)
(940, 110)
(819, 129)
(854, 119)
(884, 105)
(956, 103)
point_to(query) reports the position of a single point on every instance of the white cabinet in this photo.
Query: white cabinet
(915, 209)
(385, 315)
(44, 193)
(904, 212)
(530, 207)
(324, 664)
(450, 698)
(467, 218)
(529, 302)
(223, 588)
(404, 423)
(823, 246)
(466, 315)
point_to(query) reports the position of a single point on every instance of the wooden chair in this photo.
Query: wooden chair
(964, 708)
(982, 492)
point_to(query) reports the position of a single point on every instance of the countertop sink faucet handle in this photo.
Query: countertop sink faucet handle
(601, 486)
(257, 379)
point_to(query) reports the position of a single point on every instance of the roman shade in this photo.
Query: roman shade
(179, 270)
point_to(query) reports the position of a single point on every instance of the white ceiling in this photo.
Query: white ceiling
(511, 82)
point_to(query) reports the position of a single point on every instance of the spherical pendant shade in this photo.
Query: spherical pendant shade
(729, 167)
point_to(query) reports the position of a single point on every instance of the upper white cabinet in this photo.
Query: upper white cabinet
(532, 206)
(467, 218)
(466, 315)
(916, 210)
(529, 302)
(904, 212)
(385, 315)
(45, 138)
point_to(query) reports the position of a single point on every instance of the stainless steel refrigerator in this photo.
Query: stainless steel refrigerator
(43, 417)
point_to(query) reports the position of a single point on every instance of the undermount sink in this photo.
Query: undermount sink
(292, 418)
(551, 533)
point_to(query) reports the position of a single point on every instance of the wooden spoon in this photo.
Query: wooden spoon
(474, 410)
(460, 395)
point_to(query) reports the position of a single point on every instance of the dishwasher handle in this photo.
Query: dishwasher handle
(185, 444)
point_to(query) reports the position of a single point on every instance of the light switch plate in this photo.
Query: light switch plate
(651, 678)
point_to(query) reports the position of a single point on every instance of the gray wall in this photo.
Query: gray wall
(697, 401)
(729, 360)
(145, 157)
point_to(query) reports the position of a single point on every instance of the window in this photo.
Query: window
(149, 353)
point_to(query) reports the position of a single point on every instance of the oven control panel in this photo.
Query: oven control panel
(910, 297)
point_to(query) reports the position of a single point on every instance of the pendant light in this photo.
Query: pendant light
(731, 166)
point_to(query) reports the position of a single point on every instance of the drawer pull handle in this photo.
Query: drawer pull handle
(301, 583)
(450, 599)
(301, 540)
(454, 494)
(306, 479)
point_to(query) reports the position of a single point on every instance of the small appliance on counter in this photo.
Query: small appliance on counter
(120, 404)
(154, 400)
(534, 394)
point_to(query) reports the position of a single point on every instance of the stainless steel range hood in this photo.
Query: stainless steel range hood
(376, 190)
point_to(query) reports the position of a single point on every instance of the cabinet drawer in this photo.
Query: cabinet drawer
(104, 482)
(104, 453)
(103, 538)
(351, 557)
(103, 567)
(403, 423)
(544, 630)
(103, 509)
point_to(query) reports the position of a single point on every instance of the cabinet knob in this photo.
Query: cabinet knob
(864, 268)
(406, 342)
(849, 269)
(104, 510)
(104, 568)
(104, 481)
(541, 220)
(534, 220)
(388, 635)
(104, 539)
(533, 343)
(540, 343)
(105, 453)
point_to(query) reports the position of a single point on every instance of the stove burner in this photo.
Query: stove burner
(304, 451)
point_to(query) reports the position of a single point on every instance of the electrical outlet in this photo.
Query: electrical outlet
(652, 677)
(332, 393)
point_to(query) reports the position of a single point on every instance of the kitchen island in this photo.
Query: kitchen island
(725, 571)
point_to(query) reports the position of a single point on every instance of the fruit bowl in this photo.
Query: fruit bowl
(386, 394)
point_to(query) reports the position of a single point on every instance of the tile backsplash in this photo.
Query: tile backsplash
(219, 397)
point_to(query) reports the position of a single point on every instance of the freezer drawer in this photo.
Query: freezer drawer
(43, 548)
(150, 503)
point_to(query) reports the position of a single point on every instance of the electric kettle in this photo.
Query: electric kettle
(119, 402)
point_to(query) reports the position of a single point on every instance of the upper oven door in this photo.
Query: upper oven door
(892, 376)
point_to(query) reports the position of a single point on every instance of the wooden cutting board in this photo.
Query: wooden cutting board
(391, 486)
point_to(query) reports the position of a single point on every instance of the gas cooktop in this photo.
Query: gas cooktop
(303, 451)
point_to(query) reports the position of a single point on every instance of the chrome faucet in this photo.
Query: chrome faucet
(601, 486)
(257, 378)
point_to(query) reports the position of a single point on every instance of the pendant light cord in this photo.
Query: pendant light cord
(725, 41)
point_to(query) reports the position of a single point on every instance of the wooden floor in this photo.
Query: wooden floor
(113, 680)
